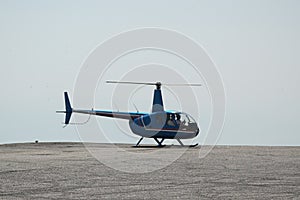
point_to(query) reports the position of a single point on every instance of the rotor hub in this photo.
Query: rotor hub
(158, 85)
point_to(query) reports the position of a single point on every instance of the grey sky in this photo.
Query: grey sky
(255, 45)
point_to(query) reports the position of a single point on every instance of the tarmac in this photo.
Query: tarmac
(70, 171)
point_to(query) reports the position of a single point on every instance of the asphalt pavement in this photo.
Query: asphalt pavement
(70, 171)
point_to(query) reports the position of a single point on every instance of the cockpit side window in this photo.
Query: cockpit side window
(171, 119)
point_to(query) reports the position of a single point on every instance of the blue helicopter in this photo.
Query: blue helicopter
(159, 124)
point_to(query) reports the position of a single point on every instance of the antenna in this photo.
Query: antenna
(135, 107)
(114, 103)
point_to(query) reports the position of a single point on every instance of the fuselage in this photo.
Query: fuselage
(164, 124)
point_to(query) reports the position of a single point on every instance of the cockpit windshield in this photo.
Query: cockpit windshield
(184, 118)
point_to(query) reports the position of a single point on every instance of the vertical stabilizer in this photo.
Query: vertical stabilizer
(68, 108)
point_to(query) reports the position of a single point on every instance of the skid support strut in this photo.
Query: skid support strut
(180, 142)
(137, 144)
(159, 142)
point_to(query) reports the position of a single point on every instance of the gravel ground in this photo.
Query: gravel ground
(69, 171)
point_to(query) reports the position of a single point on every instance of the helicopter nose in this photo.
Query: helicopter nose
(197, 131)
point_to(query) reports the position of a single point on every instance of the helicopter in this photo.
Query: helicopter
(159, 124)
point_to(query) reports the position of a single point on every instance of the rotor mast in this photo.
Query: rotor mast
(157, 104)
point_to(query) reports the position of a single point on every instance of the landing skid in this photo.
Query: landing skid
(193, 145)
(150, 146)
(182, 145)
(162, 145)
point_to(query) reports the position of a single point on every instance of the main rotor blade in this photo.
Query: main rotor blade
(149, 83)
(182, 84)
(128, 82)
